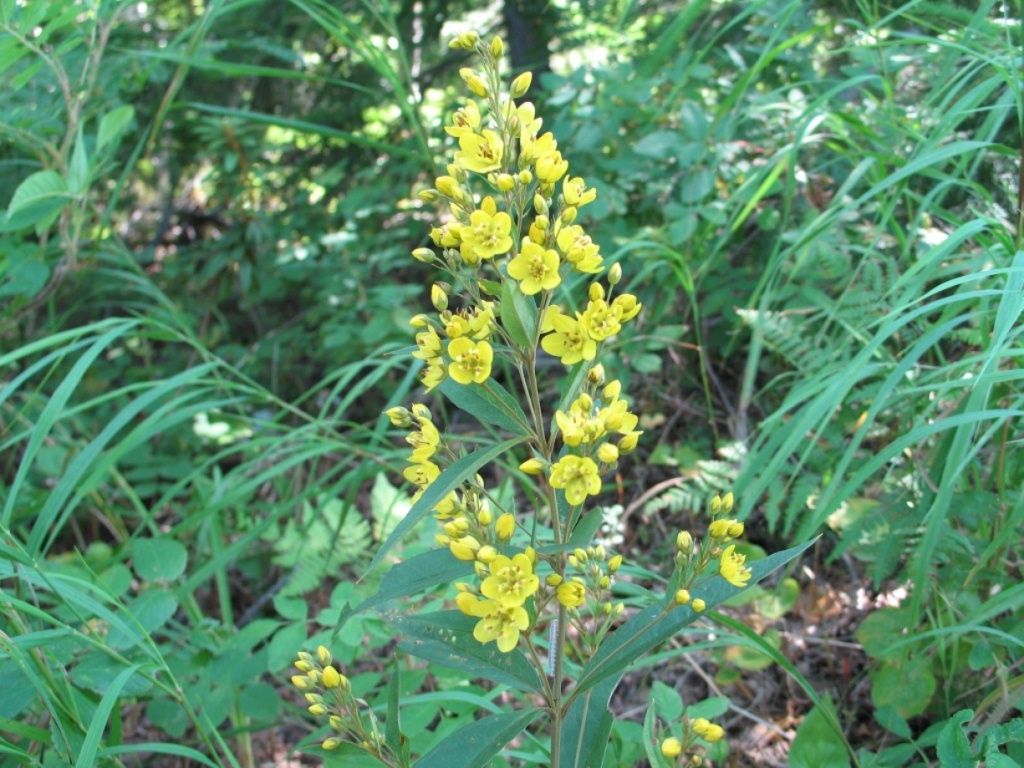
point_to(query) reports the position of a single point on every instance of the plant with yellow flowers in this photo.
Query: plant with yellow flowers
(536, 607)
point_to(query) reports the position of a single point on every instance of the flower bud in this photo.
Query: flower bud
(424, 255)
(466, 41)
(301, 682)
(682, 597)
(521, 85)
(628, 443)
(485, 517)
(525, 177)
(505, 526)
(505, 182)
(474, 81)
(331, 743)
(614, 564)
(608, 453)
(497, 47)
(438, 298)
(727, 501)
(531, 553)
(698, 605)
(331, 677)
(735, 530)
(596, 375)
(399, 416)
(568, 216)
(486, 554)
(700, 726)
(429, 195)
(716, 504)
(553, 580)
(581, 555)
(532, 466)
(596, 292)
(671, 747)
(615, 274)
(324, 655)
(714, 733)
(684, 542)
(540, 205)
(612, 391)
(318, 710)
(605, 582)
(419, 321)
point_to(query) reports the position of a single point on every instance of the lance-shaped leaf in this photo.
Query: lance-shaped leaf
(586, 727)
(479, 741)
(412, 576)
(446, 482)
(488, 403)
(446, 638)
(518, 314)
(652, 626)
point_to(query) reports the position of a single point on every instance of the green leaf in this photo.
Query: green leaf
(953, 748)
(78, 166)
(87, 754)
(260, 701)
(489, 403)
(40, 187)
(817, 743)
(113, 124)
(518, 314)
(907, 686)
(159, 559)
(654, 756)
(586, 726)
(392, 727)
(474, 745)
(879, 631)
(447, 482)
(651, 627)
(446, 638)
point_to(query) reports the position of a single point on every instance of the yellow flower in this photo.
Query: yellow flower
(505, 526)
(628, 306)
(425, 442)
(714, 733)
(578, 249)
(671, 747)
(601, 320)
(532, 146)
(568, 340)
(550, 167)
(731, 567)
(571, 594)
(422, 474)
(481, 152)
(433, 374)
(502, 623)
(536, 269)
(577, 476)
(471, 361)
(487, 234)
(428, 343)
(465, 120)
(512, 580)
(465, 548)
(576, 193)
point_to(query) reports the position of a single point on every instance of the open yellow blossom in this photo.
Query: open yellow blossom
(471, 361)
(429, 344)
(601, 319)
(577, 476)
(465, 120)
(481, 152)
(501, 623)
(568, 339)
(576, 193)
(424, 441)
(536, 269)
(578, 249)
(731, 567)
(571, 594)
(512, 580)
(488, 233)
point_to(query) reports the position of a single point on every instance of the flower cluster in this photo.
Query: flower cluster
(689, 750)
(329, 695)
(586, 593)
(691, 562)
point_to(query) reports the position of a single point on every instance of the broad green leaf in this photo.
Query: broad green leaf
(474, 745)
(113, 124)
(879, 629)
(446, 638)
(159, 559)
(40, 187)
(817, 743)
(260, 701)
(24, 276)
(907, 686)
(489, 403)
(652, 626)
(412, 576)
(586, 726)
(447, 482)
(953, 748)
(518, 314)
